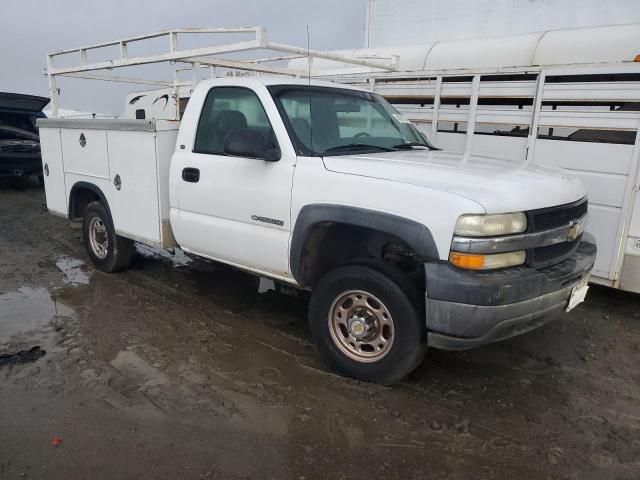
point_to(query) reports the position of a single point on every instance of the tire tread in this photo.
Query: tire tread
(121, 249)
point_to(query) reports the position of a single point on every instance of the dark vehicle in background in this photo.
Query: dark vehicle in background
(19, 141)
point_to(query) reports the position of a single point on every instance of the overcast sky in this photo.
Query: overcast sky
(31, 28)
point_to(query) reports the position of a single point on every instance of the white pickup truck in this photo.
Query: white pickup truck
(328, 188)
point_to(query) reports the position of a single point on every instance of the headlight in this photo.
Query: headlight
(475, 261)
(491, 225)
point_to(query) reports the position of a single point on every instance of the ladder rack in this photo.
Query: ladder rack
(194, 58)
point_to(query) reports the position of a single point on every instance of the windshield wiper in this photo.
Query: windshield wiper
(410, 145)
(356, 146)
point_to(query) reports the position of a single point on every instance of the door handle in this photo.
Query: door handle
(191, 175)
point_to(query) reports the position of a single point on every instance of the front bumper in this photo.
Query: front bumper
(467, 309)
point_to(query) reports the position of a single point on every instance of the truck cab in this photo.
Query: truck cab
(328, 188)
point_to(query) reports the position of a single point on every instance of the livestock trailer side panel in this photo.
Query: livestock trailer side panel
(584, 121)
(566, 98)
(588, 125)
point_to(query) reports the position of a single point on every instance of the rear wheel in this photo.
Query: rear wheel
(366, 325)
(108, 251)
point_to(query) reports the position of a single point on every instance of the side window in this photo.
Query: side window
(226, 109)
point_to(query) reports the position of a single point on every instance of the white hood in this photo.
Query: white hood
(498, 185)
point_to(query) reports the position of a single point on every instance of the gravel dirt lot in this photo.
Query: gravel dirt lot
(178, 369)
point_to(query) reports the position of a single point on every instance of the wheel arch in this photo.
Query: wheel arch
(314, 219)
(83, 193)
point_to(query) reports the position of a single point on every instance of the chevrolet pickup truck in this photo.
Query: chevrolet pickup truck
(328, 188)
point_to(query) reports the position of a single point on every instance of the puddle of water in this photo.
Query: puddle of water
(73, 270)
(27, 309)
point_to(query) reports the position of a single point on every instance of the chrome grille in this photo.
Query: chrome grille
(544, 256)
(549, 218)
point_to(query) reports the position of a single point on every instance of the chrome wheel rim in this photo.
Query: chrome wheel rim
(361, 326)
(98, 238)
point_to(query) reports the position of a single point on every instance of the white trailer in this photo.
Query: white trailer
(413, 22)
(567, 98)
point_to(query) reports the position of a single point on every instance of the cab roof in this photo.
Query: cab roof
(277, 80)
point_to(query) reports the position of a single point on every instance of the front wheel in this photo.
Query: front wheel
(365, 324)
(108, 251)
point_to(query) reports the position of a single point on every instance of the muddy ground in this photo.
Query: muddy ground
(179, 369)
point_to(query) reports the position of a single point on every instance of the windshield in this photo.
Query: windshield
(332, 121)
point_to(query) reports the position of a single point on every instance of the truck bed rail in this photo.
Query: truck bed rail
(98, 124)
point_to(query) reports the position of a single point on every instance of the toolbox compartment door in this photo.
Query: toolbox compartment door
(135, 204)
(53, 171)
(85, 152)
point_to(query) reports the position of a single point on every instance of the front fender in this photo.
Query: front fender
(416, 235)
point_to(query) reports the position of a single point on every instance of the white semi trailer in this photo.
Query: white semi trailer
(567, 98)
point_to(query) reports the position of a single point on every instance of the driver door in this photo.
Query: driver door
(231, 208)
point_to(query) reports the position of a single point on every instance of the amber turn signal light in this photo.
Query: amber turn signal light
(463, 260)
(475, 261)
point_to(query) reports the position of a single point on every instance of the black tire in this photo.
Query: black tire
(408, 347)
(119, 250)
(398, 277)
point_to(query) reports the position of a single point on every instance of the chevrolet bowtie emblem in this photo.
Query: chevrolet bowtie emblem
(575, 230)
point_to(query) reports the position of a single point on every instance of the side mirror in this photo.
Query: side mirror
(246, 142)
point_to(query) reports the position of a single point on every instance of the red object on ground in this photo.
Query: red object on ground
(56, 441)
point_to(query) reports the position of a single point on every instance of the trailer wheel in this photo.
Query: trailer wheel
(366, 325)
(108, 251)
